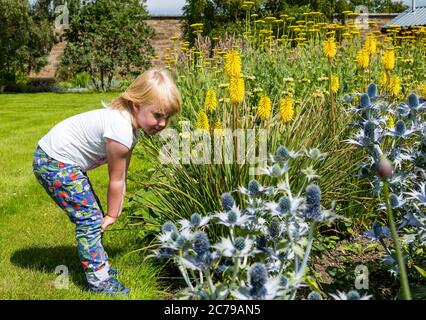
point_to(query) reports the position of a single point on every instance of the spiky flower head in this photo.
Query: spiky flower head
(275, 228)
(232, 217)
(388, 60)
(260, 243)
(227, 201)
(264, 108)
(211, 100)
(395, 85)
(365, 101)
(400, 128)
(284, 205)
(201, 243)
(413, 101)
(168, 227)
(286, 109)
(394, 201)
(239, 243)
(334, 85)
(282, 153)
(383, 80)
(195, 219)
(313, 195)
(233, 63)
(363, 59)
(314, 296)
(202, 121)
(353, 295)
(258, 276)
(369, 130)
(330, 48)
(372, 90)
(236, 89)
(370, 45)
(253, 187)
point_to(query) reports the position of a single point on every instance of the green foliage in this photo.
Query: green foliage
(108, 38)
(24, 40)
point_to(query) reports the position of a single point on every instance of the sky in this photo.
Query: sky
(168, 7)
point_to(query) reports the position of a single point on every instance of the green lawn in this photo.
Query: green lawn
(35, 235)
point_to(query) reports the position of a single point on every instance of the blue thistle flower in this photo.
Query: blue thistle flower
(180, 242)
(258, 293)
(353, 295)
(313, 212)
(201, 243)
(275, 229)
(195, 220)
(413, 101)
(377, 232)
(282, 153)
(284, 205)
(394, 201)
(227, 201)
(261, 243)
(168, 227)
(253, 187)
(239, 243)
(284, 281)
(365, 101)
(314, 296)
(348, 98)
(174, 235)
(258, 275)
(313, 195)
(232, 217)
(369, 130)
(372, 90)
(400, 128)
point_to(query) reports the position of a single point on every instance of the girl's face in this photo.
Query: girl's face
(149, 118)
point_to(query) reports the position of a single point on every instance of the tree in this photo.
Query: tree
(24, 41)
(107, 38)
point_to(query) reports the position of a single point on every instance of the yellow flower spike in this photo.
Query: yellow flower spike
(388, 60)
(363, 59)
(211, 100)
(335, 85)
(286, 110)
(370, 45)
(218, 129)
(329, 48)
(236, 89)
(233, 63)
(264, 108)
(395, 85)
(202, 121)
(424, 90)
(391, 121)
(383, 79)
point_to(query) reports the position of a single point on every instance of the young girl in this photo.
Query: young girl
(87, 140)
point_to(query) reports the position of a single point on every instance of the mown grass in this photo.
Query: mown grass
(36, 235)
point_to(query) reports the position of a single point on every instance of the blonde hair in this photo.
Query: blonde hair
(153, 87)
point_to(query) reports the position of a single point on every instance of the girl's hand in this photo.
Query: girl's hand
(107, 221)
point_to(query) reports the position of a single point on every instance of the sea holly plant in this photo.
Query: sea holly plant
(394, 135)
(264, 253)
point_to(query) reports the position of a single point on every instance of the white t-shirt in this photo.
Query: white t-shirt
(80, 139)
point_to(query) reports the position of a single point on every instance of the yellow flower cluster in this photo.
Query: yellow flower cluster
(363, 59)
(286, 110)
(233, 63)
(388, 60)
(330, 48)
(395, 85)
(202, 121)
(370, 45)
(335, 85)
(264, 108)
(211, 100)
(236, 89)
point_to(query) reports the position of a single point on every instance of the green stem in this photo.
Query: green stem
(402, 271)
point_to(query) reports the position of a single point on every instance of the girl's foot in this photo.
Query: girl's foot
(111, 287)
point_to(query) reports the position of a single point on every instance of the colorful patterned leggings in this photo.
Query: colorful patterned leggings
(70, 188)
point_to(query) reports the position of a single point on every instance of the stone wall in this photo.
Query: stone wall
(165, 28)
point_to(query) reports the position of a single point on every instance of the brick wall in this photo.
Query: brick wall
(165, 28)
